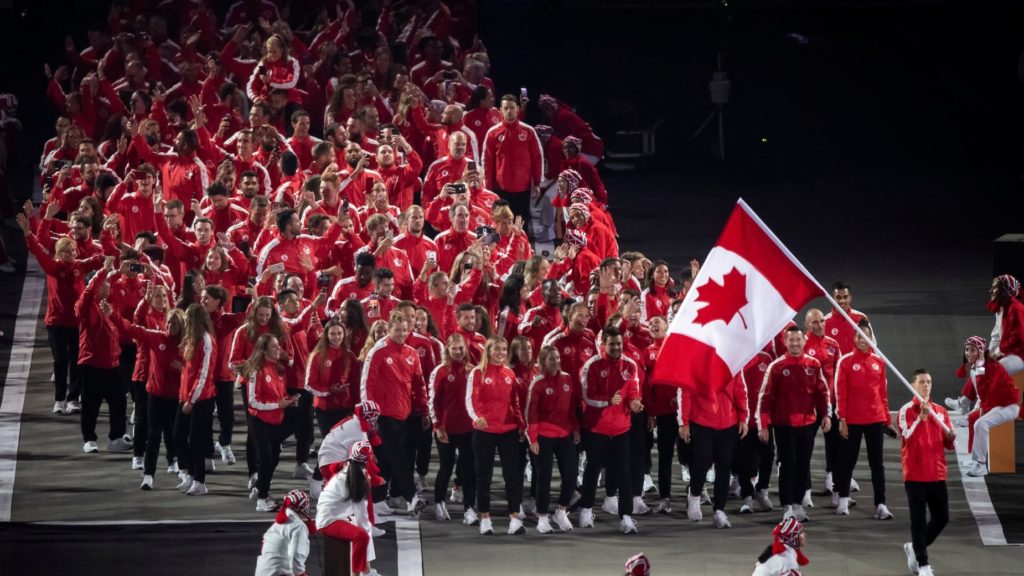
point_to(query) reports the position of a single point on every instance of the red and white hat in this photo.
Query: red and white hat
(360, 452)
(576, 237)
(571, 177)
(638, 565)
(573, 140)
(582, 208)
(368, 410)
(976, 341)
(1010, 284)
(582, 195)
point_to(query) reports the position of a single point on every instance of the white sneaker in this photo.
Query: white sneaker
(252, 480)
(640, 507)
(829, 484)
(611, 505)
(441, 512)
(854, 487)
(266, 505)
(843, 507)
(648, 484)
(764, 502)
(456, 497)
(254, 493)
(197, 489)
(627, 525)
(302, 471)
(227, 456)
(882, 513)
(801, 514)
(586, 517)
(147, 482)
(664, 506)
(562, 520)
(382, 509)
(73, 407)
(515, 526)
(965, 405)
(925, 570)
(748, 506)
(544, 525)
(710, 478)
(210, 466)
(185, 484)
(788, 512)
(721, 520)
(90, 447)
(979, 470)
(705, 498)
(485, 527)
(686, 474)
(377, 532)
(807, 502)
(469, 517)
(416, 506)
(908, 549)
(693, 508)
(137, 463)
(421, 484)
(172, 468)
(123, 444)
(953, 404)
(59, 407)
(734, 487)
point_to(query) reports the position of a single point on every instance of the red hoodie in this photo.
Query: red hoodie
(97, 334)
(491, 395)
(553, 406)
(448, 398)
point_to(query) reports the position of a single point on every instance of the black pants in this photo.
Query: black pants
(301, 422)
(252, 459)
(267, 440)
(833, 451)
(457, 454)
(192, 438)
(612, 454)
(225, 401)
(506, 445)
(794, 445)
(526, 457)
(926, 498)
(394, 463)
(716, 447)
(754, 458)
(565, 450)
(637, 455)
(102, 385)
(418, 443)
(668, 438)
(160, 415)
(140, 431)
(850, 452)
(125, 368)
(519, 202)
(326, 419)
(67, 380)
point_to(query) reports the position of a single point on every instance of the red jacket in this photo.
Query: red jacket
(242, 346)
(98, 336)
(826, 351)
(794, 393)
(162, 380)
(1011, 329)
(601, 378)
(553, 406)
(923, 443)
(862, 395)
(65, 282)
(442, 171)
(197, 377)
(448, 398)
(724, 408)
(655, 302)
(291, 253)
(416, 248)
(659, 399)
(993, 386)
(125, 294)
(574, 348)
(568, 123)
(348, 288)
(182, 178)
(402, 181)
(753, 378)
(449, 245)
(840, 330)
(491, 395)
(265, 388)
(550, 319)
(337, 367)
(392, 377)
(512, 157)
(480, 120)
(424, 347)
(284, 75)
(224, 326)
(135, 212)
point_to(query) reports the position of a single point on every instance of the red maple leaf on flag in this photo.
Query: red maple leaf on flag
(724, 301)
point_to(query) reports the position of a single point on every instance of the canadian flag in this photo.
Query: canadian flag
(748, 289)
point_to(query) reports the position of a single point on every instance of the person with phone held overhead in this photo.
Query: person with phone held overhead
(446, 169)
(438, 212)
(293, 250)
(400, 178)
(132, 201)
(513, 160)
(381, 302)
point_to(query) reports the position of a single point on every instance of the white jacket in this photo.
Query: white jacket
(285, 548)
(334, 504)
(783, 564)
(339, 441)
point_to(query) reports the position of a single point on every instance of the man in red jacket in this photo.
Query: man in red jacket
(793, 397)
(611, 392)
(835, 325)
(513, 160)
(923, 446)
(98, 356)
(447, 169)
(826, 350)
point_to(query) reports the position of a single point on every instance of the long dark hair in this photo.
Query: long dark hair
(356, 482)
(765, 555)
(511, 293)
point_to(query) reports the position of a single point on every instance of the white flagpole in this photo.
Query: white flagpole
(836, 306)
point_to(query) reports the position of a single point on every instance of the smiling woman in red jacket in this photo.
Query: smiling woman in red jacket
(493, 406)
(332, 376)
(193, 426)
(265, 388)
(453, 428)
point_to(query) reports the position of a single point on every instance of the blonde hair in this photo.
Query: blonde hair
(447, 361)
(64, 243)
(502, 213)
(259, 354)
(371, 338)
(485, 357)
(197, 325)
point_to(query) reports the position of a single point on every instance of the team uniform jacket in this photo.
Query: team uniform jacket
(826, 350)
(181, 177)
(448, 398)
(923, 444)
(197, 377)
(265, 388)
(553, 406)
(449, 245)
(98, 336)
(442, 171)
(724, 408)
(65, 282)
(416, 248)
(491, 395)
(392, 377)
(861, 389)
(600, 379)
(337, 366)
(574, 348)
(550, 319)
(793, 393)
(993, 385)
(513, 158)
(840, 330)
(753, 377)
